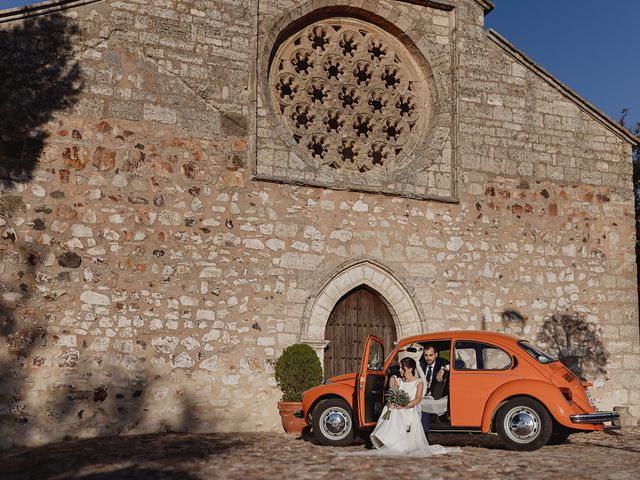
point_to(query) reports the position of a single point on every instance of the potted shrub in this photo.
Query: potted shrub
(297, 370)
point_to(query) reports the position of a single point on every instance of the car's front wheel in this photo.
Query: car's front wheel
(333, 422)
(524, 424)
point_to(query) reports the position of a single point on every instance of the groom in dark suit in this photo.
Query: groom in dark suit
(433, 368)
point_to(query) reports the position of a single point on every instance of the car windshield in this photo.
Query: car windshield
(536, 353)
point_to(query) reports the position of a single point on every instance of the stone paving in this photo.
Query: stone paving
(612, 455)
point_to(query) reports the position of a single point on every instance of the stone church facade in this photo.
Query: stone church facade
(222, 174)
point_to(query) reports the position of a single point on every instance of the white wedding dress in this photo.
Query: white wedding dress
(402, 433)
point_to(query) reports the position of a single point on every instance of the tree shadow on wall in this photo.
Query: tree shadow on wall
(576, 342)
(89, 393)
(21, 331)
(39, 78)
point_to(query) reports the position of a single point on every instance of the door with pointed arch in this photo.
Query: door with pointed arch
(358, 314)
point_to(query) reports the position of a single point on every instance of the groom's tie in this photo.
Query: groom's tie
(429, 378)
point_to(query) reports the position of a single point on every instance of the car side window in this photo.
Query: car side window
(495, 359)
(479, 356)
(465, 358)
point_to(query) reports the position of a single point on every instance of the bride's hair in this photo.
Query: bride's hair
(409, 363)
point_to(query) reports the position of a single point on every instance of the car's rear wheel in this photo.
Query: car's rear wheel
(333, 422)
(524, 424)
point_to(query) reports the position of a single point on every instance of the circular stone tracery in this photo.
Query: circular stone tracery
(349, 94)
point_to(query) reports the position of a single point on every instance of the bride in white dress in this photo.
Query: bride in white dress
(402, 433)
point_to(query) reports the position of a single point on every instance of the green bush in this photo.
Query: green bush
(297, 370)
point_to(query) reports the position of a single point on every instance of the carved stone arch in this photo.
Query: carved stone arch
(391, 290)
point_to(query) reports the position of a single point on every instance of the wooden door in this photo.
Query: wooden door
(357, 315)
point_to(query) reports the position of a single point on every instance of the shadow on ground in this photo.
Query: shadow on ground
(154, 456)
(492, 442)
(139, 473)
(477, 440)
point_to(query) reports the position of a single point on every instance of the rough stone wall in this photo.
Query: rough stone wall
(149, 282)
(129, 283)
(412, 34)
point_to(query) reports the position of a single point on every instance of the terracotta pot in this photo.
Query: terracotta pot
(290, 423)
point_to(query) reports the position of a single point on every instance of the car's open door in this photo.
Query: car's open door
(370, 382)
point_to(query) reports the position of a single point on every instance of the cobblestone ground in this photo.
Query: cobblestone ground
(614, 455)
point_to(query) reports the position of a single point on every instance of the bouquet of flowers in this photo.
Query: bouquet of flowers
(395, 396)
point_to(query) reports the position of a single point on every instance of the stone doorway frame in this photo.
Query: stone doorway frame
(398, 298)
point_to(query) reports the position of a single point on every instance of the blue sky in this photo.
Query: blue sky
(14, 3)
(589, 45)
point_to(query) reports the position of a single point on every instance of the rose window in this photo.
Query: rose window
(350, 94)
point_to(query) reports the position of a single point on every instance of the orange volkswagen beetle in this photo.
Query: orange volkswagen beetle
(495, 383)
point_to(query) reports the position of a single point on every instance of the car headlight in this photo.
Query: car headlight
(592, 402)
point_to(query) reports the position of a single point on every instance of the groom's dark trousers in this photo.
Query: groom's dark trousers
(425, 422)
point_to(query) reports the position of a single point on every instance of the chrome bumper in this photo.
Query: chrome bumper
(298, 414)
(598, 417)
